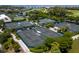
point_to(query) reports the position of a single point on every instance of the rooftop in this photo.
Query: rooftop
(45, 21)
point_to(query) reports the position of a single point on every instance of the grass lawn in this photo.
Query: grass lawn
(75, 13)
(75, 47)
(19, 19)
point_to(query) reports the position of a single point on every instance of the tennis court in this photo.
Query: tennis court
(17, 25)
(72, 26)
(36, 36)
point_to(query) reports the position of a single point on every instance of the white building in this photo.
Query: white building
(5, 18)
(75, 37)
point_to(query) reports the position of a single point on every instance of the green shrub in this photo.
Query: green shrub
(36, 50)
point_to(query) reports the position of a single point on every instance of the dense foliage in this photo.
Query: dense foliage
(49, 25)
(57, 11)
(1, 24)
(7, 42)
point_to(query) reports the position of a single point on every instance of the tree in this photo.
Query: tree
(11, 45)
(55, 47)
(8, 44)
(49, 41)
(63, 47)
(39, 49)
(49, 25)
(2, 39)
(63, 29)
(36, 15)
(16, 47)
(4, 36)
(76, 19)
(71, 18)
(1, 23)
(68, 34)
(65, 44)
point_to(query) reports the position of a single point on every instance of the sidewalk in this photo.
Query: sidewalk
(21, 43)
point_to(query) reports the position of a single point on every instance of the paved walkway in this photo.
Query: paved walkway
(21, 43)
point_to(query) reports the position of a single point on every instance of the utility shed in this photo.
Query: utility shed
(18, 25)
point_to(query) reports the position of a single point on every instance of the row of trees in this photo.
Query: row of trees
(56, 13)
(61, 14)
(36, 15)
(72, 18)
